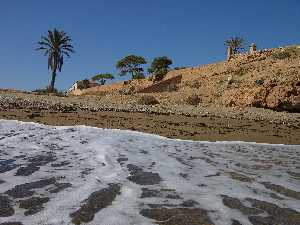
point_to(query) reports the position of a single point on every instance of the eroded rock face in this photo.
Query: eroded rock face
(278, 97)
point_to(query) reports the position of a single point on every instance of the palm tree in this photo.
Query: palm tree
(55, 45)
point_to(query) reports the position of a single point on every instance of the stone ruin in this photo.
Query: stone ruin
(230, 53)
(252, 48)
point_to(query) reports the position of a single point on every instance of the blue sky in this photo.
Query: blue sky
(191, 32)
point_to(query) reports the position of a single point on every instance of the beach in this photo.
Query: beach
(203, 122)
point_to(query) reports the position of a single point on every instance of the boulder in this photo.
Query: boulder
(280, 96)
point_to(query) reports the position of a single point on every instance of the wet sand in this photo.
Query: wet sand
(200, 128)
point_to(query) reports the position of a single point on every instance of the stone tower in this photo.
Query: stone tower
(252, 48)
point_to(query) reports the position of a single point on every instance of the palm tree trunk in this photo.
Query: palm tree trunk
(52, 81)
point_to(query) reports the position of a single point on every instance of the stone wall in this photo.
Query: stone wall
(162, 86)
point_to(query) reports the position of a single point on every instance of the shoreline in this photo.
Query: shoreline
(209, 129)
(150, 134)
(201, 123)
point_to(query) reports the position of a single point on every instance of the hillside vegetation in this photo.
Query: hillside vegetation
(268, 79)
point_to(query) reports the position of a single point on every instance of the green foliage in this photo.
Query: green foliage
(236, 43)
(131, 64)
(159, 67)
(138, 76)
(55, 45)
(102, 77)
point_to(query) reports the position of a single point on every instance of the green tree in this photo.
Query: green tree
(236, 43)
(55, 45)
(131, 64)
(159, 67)
(102, 78)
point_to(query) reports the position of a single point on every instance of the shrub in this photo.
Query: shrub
(193, 100)
(138, 76)
(47, 91)
(193, 84)
(180, 68)
(281, 55)
(150, 78)
(83, 84)
(148, 100)
(127, 91)
(240, 72)
(259, 82)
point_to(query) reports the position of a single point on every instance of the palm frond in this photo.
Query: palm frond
(55, 45)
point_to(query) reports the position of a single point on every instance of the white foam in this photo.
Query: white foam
(98, 149)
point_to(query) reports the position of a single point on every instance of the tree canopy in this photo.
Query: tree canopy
(55, 45)
(131, 64)
(159, 67)
(102, 77)
(236, 43)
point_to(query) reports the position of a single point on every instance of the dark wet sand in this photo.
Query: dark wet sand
(201, 128)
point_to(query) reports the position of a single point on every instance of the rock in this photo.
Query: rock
(240, 177)
(6, 209)
(293, 105)
(235, 203)
(26, 190)
(275, 214)
(148, 100)
(282, 190)
(33, 205)
(193, 100)
(178, 216)
(138, 176)
(254, 96)
(26, 171)
(11, 223)
(60, 187)
(7, 165)
(96, 201)
(278, 96)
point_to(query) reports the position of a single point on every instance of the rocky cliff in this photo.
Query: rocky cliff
(268, 78)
